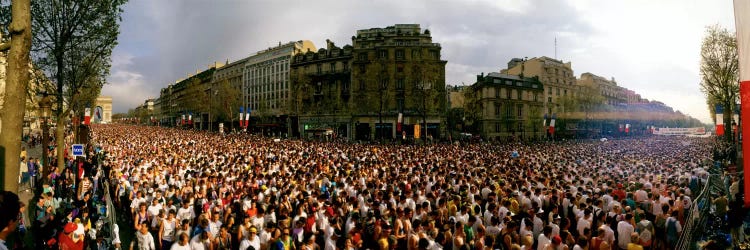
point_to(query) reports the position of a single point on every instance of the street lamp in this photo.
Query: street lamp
(45, 106)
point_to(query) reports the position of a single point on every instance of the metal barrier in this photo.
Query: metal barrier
(111, 213)
(694, 217)
(697, 217)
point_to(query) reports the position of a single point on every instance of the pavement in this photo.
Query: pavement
(26, 195)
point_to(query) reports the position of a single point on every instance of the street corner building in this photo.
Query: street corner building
(390, 83)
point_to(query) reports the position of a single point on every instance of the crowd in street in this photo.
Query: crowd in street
(183, 189)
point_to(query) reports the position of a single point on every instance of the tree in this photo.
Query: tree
(720, 72)
(73, 42)
(16, 84)
(228, 102)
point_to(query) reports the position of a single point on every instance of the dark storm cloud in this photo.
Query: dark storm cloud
(164, 41)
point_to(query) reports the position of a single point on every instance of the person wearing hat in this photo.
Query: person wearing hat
(251, 241)
(555, 244)
(68, 240)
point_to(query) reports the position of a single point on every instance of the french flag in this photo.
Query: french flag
(87, 116)
(719, 120)
(400, 121)
(247, 117)
(242, 115)
(552, 124)
(742, 24)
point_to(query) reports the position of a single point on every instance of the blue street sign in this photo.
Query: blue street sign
(78, 150)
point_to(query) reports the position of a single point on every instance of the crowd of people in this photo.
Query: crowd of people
(182, 189)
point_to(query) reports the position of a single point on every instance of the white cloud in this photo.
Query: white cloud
(127, 88)
(649, 46)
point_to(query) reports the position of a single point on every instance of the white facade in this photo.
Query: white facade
(266, 78)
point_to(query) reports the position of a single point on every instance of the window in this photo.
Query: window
(319, 88)
(383, 54)
(362, 68)
(519, 109)
(400, 84)
(549, 90)
(361, 84)
(536, 96)
(416, 54)
(346, 66)
(498, 127)
(345, 86)
(507, 94)
(333, 67)
(519, 94)
(558, 91)
(384, 84)
(565, 92)
(400, 103)
(320, 68)
(434, 54)
(497, 110)
(362, 56)
(497, 92)
(549, 99)
(400, 68)
(400, 54)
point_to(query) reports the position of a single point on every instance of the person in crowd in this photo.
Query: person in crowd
(295, 193)
(11, 207)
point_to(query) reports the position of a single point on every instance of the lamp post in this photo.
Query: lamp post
(45, 105)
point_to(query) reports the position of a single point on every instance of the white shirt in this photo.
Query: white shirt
(542, 241)
(176, 246)
(582, 224)
(624, 231)
(145, 241)
(246, 243)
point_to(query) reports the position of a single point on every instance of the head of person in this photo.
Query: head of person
(253, 232)
(10, 204)
(184, 239)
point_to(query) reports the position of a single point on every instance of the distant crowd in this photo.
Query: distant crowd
(182, 189)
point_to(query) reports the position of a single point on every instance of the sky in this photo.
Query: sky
(651, 47)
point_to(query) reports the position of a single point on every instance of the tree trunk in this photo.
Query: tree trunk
(15, 91)
(59, 132)
(60, 144)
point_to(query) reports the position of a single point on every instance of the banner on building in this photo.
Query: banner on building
(680, 131)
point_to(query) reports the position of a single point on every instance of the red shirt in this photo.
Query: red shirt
(66, 243)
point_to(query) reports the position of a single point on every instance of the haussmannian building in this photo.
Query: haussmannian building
(358, 91)
(321, 92)
(266, 83)
(398, 69)
(507, 106)
(613, 94)
(557, 77)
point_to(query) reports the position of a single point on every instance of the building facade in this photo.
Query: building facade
(266, 84)
(507, 106)
(613, 94)
(321, 96)
(189, 96)
(556, 76)
(398, 70)
(358, 91)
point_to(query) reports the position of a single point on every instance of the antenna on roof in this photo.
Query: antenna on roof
(555, 48)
